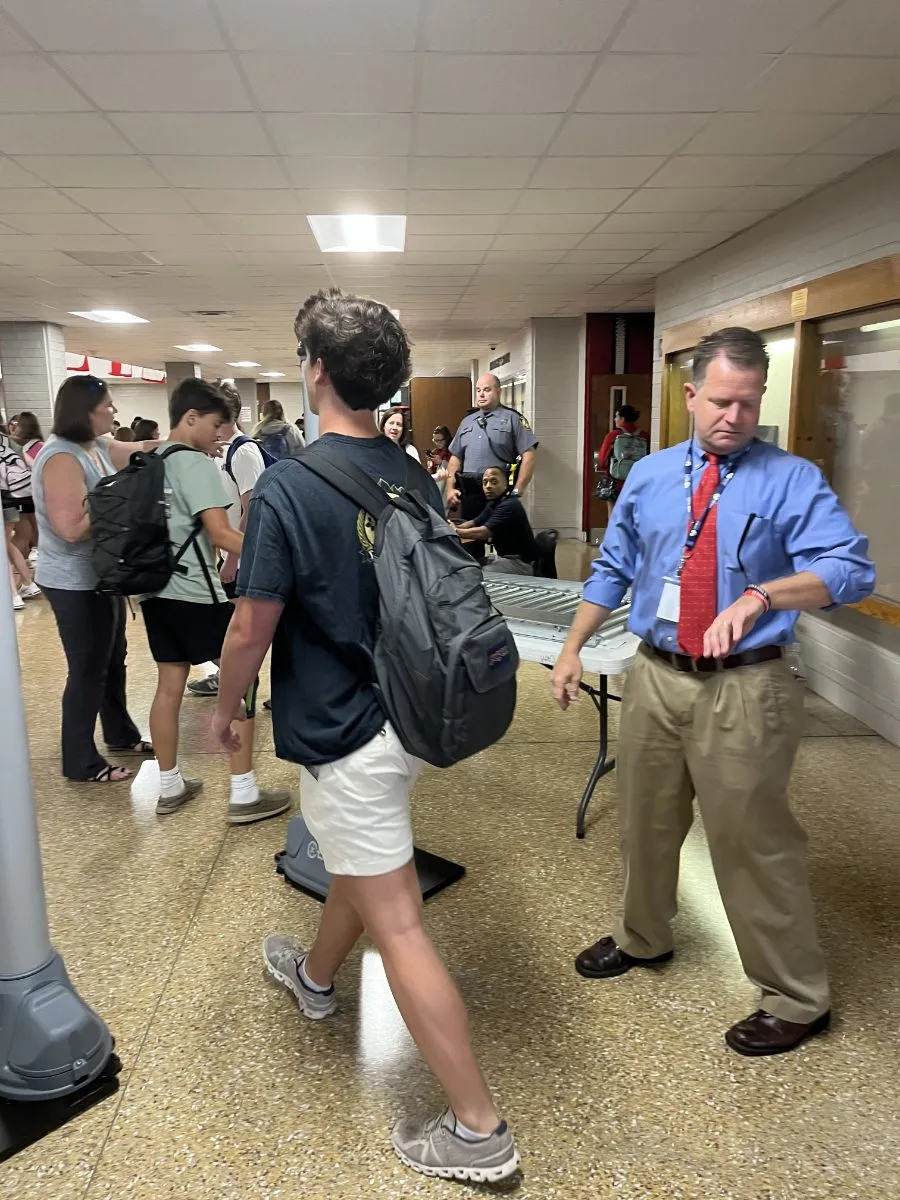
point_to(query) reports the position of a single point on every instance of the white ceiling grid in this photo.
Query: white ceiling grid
(553, 156)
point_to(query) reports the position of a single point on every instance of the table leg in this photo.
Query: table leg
(600, 698)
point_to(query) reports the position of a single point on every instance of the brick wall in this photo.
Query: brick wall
(33, 363)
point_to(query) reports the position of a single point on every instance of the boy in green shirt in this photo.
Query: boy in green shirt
(187, 621)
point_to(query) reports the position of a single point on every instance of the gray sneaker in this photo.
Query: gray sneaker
(283, 956)
(205, 687)
(170, 804)
(433, 1148)
(269, 804)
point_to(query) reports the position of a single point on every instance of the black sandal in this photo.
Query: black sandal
(106, 775)
(141, 749)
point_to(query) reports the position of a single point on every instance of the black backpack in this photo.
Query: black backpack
(132, 554)
(445, 661)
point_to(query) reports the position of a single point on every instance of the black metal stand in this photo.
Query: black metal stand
(22, 1123)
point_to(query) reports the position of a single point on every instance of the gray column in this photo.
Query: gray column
(247, 389)
(33, 363)
(177, 372)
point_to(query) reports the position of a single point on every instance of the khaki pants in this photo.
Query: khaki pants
(730, 738)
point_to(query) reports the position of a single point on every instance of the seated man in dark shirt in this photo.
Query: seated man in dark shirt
(307, 583)
(504, 522)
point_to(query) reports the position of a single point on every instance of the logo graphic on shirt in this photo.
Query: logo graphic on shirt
(498, 655)
(365, 522)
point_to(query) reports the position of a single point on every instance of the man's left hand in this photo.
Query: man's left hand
(223, 731)
(229, 569)
(731, 626)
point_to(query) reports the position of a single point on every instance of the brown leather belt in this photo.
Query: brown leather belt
(749, 658)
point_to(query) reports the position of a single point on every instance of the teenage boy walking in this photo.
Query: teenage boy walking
(187, 621)
(307, 580)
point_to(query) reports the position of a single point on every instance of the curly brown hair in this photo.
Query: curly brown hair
(360, 343)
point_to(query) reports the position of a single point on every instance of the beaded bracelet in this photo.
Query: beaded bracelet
(756, 589)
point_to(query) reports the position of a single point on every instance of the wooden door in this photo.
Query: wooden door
(436, 402)
(638, 395)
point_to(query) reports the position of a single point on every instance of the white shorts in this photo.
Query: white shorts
(357, 808)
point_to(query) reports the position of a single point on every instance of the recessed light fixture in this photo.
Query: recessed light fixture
(272, 374)
(878, 325)
(246, 363)
(200, 348)
(110, 316)
(359, 233)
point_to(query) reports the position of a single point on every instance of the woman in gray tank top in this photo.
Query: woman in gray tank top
(91, 625)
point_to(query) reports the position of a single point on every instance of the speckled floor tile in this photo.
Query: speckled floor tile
(619, 1089)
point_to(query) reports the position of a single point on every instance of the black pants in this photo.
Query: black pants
(471, 505)
(92, 630)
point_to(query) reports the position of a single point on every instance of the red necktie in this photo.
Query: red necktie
(699, 577)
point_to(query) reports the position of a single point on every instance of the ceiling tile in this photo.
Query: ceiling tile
(510, 26)
(624, 241)
(12, 42)
(214, 171)
(150, 224)
(473, 201)
(29, 84)
(626, 133)
(697, 199)
(338, 26)
(35, 200)
(331, 135)
(194, 133)
(59, 133)
(352, 201)
(69, 223)
(648, 83)
(856, 27)
(816, 85)
(615, 258)
(647, 222)
(523, 256)
(514, 83)
(694, 241)
(158, 82)
(484, 134)
(111, 25)
(88, 170)
(761, 198)
(814, 169)
(892, 106)
(536, 241)
(551, 223)
(688, 170)
(621, 172)
(571, 200)
(709, 26)
(369, 83)
(240, 200)
(14, 176)
(764, 133)
(355, 172)
(876, 133)
(455, 224)
(448, 243)
(288, 225)
(462, 172)
(129, 200)
(440, 259)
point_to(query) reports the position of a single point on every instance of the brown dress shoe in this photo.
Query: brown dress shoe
(764, 1034)
(605, 959)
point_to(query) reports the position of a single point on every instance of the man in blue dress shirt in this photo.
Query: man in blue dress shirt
(723, 540)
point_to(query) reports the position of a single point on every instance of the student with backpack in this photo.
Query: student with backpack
(275, 435)
(187, 618)
(622, 447)
(315, 578)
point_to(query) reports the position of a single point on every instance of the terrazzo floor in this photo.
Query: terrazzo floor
(620, 1089)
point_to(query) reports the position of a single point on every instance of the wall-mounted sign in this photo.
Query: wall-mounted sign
(799, 300)
(501, 361)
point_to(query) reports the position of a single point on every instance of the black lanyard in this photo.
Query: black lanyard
(695, 525)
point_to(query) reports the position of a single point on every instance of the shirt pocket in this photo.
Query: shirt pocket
(750, 545)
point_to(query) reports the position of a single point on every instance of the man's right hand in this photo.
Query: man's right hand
(454, 495)
(565, 678)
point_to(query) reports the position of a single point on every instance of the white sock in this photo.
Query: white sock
(307, 982)
(171, 783)
(244, 788)
(468, 1135)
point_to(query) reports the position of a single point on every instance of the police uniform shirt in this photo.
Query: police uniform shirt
(491, 439)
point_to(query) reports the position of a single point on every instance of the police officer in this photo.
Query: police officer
(492, 435)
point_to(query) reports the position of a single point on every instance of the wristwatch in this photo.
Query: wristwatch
(514, 492)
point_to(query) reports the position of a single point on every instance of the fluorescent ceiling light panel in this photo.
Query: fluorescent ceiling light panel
(245, 364)
(879, 325)
(273, 374)
(110, 316)
(359, 233)
(200, 348)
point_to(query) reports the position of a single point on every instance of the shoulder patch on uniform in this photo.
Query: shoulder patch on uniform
(523, 421)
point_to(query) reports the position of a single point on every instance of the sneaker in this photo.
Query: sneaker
(269, 804)
(434, 1148)
(205, 687)
(170, 804)
(18, 602)
(29, 591)
(283, 956)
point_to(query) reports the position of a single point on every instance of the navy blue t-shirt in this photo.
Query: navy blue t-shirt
(310, 548)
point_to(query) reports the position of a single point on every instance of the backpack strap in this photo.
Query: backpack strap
(345, 477)
(240, 440)
(195, 533)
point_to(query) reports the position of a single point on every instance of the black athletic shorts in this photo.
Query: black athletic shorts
(181, 632)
